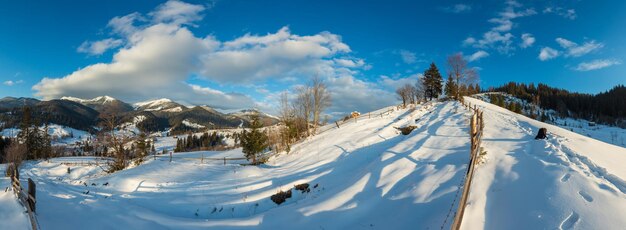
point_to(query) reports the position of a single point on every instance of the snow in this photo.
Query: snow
(191, 124)
(129, 129)
(363, 175)
(174, 110)
(568, 181)
(12, 214)
(60, 134)
(102, 99)
(153, 103)
(364, 172)
(608, 134)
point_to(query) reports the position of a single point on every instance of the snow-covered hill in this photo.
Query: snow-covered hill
(609, 134)
(60, 135)
(568, 181)
(160, 105)
(363, 175)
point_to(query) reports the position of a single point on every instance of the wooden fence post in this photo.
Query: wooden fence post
(202, 159)
(224, 160)
(337, 124)
(170, 156)
(32, 194)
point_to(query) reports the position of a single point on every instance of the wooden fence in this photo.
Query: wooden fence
(476, 133)
(27, 199)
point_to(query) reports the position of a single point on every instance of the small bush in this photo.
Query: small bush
(303, 187)
(407, 130)
(281, 197)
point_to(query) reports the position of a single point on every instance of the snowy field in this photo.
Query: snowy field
(363, 175)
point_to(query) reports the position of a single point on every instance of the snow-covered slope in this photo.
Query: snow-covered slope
(12, 214)
(99, 100)
(363, 175)
(568, 181)
(609, 134)
(60, 135)
(161, 105)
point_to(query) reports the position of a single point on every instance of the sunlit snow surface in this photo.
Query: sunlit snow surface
(368, 176)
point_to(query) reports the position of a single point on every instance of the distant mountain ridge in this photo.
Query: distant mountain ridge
(161, 114)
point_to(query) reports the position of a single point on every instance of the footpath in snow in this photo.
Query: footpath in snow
(12, 214)
(568, 181)
(363, 175)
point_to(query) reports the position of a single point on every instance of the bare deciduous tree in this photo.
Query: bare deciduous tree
(113, 142)
(304, 104)
(321, 99)
(406, 93)
(16, 152)
(461, 73)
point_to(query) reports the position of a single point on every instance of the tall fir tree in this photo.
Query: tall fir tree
(254, 141)
(432, 82)
(450, 87)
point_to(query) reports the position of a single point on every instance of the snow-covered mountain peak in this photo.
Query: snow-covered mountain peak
(101, 99)
(163, 105)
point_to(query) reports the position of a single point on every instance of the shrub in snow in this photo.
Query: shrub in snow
(406, 130)
(303, 187)
(281, 196)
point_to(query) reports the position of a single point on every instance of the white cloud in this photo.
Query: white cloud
(499, 37)
(177, 13)
(99, 47)
(458, 8)
(575, 50)
(548, 53)
(395, 83)
(565, 13)
(160, 55)
(408, 57)
(12, 83)
(350, 63)
(527, 40)
(597, 64)
(477, 55)
(253, 57)
(469, 41)
(125, 25)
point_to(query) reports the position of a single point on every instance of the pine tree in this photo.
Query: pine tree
(450, 87)
(254, 141)
(432, 82)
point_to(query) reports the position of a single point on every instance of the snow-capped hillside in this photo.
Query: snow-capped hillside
(609, 134)
(568, 181)
(160, 105)
(102, 104)
(98, 100)
(363, 175)
(60, 135)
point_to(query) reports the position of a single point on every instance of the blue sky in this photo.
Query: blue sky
(236, 54)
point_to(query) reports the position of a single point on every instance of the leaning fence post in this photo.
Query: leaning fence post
(337, 124)
(32, 194)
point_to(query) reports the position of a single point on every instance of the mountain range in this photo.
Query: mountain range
(161, 114)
